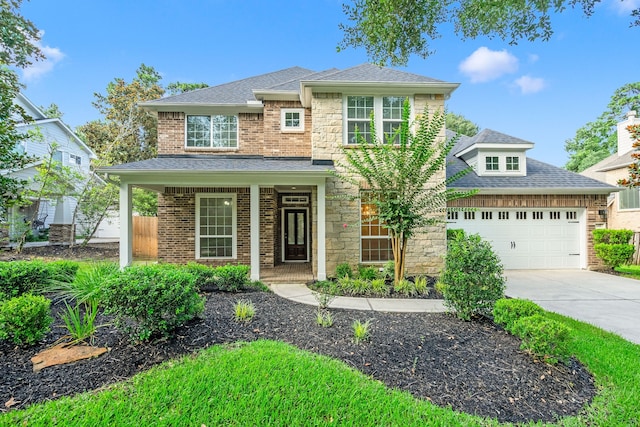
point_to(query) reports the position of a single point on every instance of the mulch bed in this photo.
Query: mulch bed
(474, 367)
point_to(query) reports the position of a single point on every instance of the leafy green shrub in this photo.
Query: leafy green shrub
(472, 278)
(62, 270)
(205, 276)
(20, 277)
(87, 285)
(231, 278)
(388, 271)
(152, 300)
(379, 288)
(455, 233)
(367, 273)
(25, 319)
(507, 311)
(343, 270)
(612, 246)
(544, 338)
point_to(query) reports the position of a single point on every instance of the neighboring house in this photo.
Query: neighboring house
(536, 216)
(71, 151)
(623, 209)
(244, 173)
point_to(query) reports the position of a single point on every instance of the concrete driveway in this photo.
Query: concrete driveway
(609, 302)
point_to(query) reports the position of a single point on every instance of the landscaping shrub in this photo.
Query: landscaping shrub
(88, 284)
(455, 233)
(612, 246)
(405, 287)
(205, 276)
(367, 273)
(421, 285)
(231, 278)
(62, 270)
(343, 270)
(152, 300)
(25, 319)
(472, 280)
(388, 271)
(544, 338)
(20, 277)
(507, 311)
(379, 288)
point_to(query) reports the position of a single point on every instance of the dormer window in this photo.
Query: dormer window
(492, 163)
(513, 163)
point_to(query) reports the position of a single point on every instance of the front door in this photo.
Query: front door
(295, 235)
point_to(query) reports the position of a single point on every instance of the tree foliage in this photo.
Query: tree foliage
(18, 47)
(176, 88)
(127, 133)
(393, 30)
(634, 167)
(405, 180)
(461, 125)
(597, 140)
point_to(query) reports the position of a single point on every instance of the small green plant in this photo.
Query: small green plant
(544, 338)
(367, 272)
(344, 270)
(361, 331)
(243, 311)
(507, 311)
(324, 318)
(404, 287)
(472, 277)
(421, 285)
(388, 271)
(81, 325)
(25, 319)
(323, 299)
(63, 270)
(87, 285)
(379, 288)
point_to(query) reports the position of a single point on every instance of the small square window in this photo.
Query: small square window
(492, 163)
(513, 163)
(75, 160)
(292, 120)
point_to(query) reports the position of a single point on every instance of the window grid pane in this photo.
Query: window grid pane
(198, 131)
(513, 164)
(225, 131)
(216, 227)
(292, 119)
(492, 163)
(374, 238)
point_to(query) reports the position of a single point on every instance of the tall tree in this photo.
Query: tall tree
(127, 133)
(599, 139)
(392, 30)
(399, 178)
(52, 111)
(18, 38)
(461, 125)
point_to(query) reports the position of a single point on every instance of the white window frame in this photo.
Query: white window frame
(211, 145)
(620, 208)
(364, 222)
(486, 163)
(234, 223)
(377, 114)
(283, 120)
(517, 163)
(75, 159)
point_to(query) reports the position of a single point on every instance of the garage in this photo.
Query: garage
(528, 238)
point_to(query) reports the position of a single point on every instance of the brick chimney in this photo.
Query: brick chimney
(625, 141)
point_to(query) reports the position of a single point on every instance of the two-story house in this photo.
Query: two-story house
(243, 172)
(57, 214)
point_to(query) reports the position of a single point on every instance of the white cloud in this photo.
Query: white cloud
(528, 84)
(53, 55)
(533, 58)
(625, 6)
(485, 64)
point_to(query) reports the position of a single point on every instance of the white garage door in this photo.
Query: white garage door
(527, 239)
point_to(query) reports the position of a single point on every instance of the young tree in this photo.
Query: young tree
(597, 140)
(634, 167)
(403, 177)
(392, 30)
(18, 47)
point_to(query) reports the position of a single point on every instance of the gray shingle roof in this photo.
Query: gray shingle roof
(375, 73)
(488, 136)
(217, 164)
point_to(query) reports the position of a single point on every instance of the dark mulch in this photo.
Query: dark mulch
(101, 251)
(473, 367)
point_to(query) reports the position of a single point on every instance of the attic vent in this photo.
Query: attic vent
(295, 200)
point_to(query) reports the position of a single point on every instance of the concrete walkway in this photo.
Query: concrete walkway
(301, 293)
(606, 301)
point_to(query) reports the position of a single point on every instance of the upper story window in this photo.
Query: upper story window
(513, 163)
(387, 112)
(75, 160)
(215, 131)
(492, 163)
(292, 120)
(629, 199)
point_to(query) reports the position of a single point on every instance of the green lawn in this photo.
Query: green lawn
(631, 271)
(272, 383)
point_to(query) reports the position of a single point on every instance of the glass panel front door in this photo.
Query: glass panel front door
(295, 235)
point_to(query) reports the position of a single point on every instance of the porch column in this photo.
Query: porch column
(126, 225)
(322, 253)
(255, 231)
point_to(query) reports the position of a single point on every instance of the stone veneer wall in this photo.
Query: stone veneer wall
(177, 220)
(593, 203)
(426, 249)
(61, 233)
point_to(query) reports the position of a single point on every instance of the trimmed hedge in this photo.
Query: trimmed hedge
(20, 277)
(507, 311)
(612, 246)
(25, 319)
(544, 338)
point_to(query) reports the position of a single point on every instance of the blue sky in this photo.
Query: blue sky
(541, 92)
